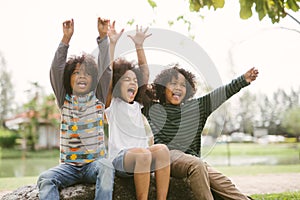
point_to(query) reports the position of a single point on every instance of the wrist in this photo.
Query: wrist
(139, 46)
(102, 35)
(66, 39)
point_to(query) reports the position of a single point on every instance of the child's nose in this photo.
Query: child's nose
(82, 73)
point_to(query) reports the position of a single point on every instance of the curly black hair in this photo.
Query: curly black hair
(90, 67)
(159, 84)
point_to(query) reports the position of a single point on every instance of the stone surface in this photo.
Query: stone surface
(123, 189)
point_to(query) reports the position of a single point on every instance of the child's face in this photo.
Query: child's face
(81, 81)
(128, 86)
(176, 90)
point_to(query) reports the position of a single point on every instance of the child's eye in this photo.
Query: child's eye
(75, 72)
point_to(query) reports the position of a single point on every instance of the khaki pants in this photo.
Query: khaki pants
(202, 178)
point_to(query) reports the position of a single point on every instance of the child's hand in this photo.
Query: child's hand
(103, 27)
(251, 75)
(112, 33)
(68, 30)
(140, 36)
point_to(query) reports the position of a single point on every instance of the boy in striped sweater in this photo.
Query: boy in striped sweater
(81, 88)
(178, 121)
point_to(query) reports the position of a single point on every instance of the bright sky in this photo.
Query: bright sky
(31, 31)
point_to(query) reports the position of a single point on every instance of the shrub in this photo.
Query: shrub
(7, 138)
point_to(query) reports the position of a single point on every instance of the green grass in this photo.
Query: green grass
(13, 183)
(253, 149)
(257, 169)
(15, 153)
(280, 196)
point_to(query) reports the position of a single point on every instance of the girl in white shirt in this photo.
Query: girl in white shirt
(130, 145)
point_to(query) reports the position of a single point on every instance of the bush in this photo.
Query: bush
(7, 138)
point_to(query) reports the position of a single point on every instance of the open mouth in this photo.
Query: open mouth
(131, 92)
(176, 95)
(82, 84)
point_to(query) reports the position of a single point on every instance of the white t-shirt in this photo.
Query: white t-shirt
(126, 127)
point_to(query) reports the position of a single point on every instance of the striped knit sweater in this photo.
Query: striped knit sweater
(180, 126)
(81, 135)
(82, 132)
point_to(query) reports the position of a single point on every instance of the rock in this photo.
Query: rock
(123, 189)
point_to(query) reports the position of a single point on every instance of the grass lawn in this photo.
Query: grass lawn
(253, 149)
(280, 196)
(12, 183)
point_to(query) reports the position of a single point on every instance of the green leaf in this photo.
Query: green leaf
(130, 22)
(195, 5)
(171, 23)
(152, 4)
(218, 3)
(246, 9)
(179, 17)
(292, 4)
(261, 8)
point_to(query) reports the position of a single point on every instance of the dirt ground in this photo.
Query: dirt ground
(268, 183)
(260, 184)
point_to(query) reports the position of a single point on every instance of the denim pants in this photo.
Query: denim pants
(100, 171)
(202, 178)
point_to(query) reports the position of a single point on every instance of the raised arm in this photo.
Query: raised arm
(138, 40)
(103, 60)
(218, 96)
(59, 62)
(113, 38)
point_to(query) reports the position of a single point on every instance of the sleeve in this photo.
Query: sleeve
(57, 72)
(217, 97)
(105, 71)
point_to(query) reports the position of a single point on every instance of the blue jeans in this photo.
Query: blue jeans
(100, 171)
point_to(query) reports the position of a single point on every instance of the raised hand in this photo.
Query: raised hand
(68, 30)
(102, 27)
(112, 33)
(251, 75)
(139, 36)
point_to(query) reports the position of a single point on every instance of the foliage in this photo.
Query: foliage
(6, 91)
(7, 138)
(291, 121)
(274, 9)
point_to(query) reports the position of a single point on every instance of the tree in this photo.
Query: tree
(291, 121)
(32, 108)
(247, 110)
(274, 9)
(6, 91)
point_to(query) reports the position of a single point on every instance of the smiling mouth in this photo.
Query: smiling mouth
(176, 96)
(82, 84)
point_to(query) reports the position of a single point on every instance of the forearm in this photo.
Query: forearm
(235, 86)
(142, 61)
(104, 69)
(57, 71)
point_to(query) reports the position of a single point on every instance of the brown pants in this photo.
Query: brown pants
(202, 178)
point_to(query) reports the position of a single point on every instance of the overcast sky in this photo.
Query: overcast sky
(31, 31)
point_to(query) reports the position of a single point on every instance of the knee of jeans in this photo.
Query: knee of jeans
(106, 174)
(45, 178)
(105, 163)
